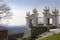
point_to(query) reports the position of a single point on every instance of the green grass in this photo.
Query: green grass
(52, 37)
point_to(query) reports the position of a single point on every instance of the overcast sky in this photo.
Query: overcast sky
(19, 8)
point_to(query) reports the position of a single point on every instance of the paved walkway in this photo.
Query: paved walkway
(55, 30)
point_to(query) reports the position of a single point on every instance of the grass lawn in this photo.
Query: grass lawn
(52, 37)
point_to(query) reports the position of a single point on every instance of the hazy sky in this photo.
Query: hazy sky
(19, 8)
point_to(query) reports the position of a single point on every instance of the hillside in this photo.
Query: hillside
(51, 37)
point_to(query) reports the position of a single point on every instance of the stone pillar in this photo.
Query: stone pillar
(47, 15)
(55, 18)
(7, 37)
(45, 19)
(35, 17)
(27, 32)
(34, 20)
(27, 22)
(28, 19)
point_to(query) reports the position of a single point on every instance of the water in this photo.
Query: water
(16, 29)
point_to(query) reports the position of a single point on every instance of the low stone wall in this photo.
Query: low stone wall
(3, 34)
(35, 31)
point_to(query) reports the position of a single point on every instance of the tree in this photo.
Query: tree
(5, 14)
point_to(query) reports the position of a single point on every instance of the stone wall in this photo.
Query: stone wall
(35, 31)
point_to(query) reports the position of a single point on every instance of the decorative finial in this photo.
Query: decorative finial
(28, 13)
(46, 9)
(34, 10)
(55, 10)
